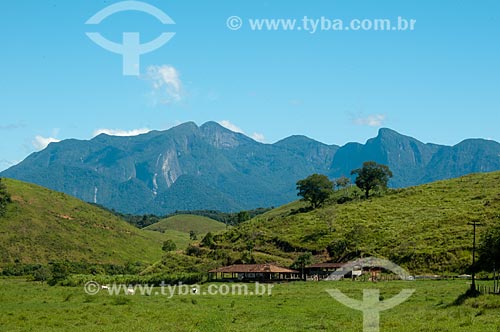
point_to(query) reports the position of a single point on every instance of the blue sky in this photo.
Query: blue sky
(438, 83)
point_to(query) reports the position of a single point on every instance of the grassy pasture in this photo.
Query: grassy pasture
(186, 223)
(298, 306)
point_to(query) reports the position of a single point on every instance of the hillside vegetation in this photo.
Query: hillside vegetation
(425, 228)
(41, 225)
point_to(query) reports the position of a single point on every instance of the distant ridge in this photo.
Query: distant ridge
(190, 167)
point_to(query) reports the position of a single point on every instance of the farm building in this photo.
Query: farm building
(331, 271)
(254, 272)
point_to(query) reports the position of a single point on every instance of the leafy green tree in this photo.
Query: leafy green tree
(342, 182)
(302, 261)
(250, 244)
(243, 216)
(489, 249)
(169, 245)
(247, 257)
(372, 176)
(193, 251)
(58, 271)
(192, 235)
(42, 274)
(315, 189)
(4, 198)
(208, 240)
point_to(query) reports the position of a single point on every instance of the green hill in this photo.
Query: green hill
(177, 228)
(186, 223)
(42, 225)
(181, 239)
(424, 228)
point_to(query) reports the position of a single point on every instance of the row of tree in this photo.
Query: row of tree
(317, 188)
(228, 218)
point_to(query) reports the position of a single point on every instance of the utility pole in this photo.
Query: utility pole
(473, 285)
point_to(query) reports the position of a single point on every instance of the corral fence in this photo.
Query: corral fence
(485, 289)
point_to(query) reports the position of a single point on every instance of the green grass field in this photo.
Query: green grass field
(297, 306)
(186, 223)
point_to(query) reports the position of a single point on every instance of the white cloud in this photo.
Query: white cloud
(41, 142)
(167, 86)
(231, 126)
(120, 132)
(258, 137)
(372, 120)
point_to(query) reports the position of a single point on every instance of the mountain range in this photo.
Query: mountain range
(191, 167)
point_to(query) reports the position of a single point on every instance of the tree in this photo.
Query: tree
(301, 262)
(247, 257)
(243, 216)
(169, 245)
(489, 249)
(42, 274)
(315, 189)
(208, 240)
(4, 198)
(342, 182)
(372, 176)
(58, 271)
(192, 235)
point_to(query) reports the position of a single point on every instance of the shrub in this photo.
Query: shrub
(169, 245)
(208, 241)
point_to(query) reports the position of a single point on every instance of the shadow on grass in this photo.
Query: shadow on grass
(470, 293)
(301, 210)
